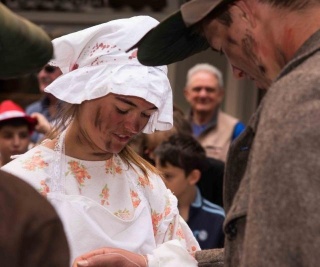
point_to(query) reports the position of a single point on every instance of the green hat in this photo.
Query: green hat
(175, 39)
(24, 47)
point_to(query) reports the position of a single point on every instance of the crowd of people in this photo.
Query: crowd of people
(105, 170)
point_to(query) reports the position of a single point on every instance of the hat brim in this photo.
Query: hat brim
(175, 38)
(32, 122)
(169, 42)
(25, 47)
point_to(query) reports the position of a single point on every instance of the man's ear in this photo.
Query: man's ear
(220, 95)
(194, 176)
(247, 11)
(186, 92)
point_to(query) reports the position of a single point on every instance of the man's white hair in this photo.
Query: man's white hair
(208, 68)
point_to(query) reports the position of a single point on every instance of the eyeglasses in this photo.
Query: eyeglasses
(49, 69)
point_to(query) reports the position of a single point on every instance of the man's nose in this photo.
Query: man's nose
(237, 73)
(203, 92)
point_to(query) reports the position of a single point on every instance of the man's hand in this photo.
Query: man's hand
(114, 257)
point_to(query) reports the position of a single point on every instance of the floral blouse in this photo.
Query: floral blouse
(122, 191)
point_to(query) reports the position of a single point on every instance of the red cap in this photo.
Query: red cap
(10, 110)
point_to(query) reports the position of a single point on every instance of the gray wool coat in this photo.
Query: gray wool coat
(272, 179)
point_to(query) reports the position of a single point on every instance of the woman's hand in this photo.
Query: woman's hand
(114, 257)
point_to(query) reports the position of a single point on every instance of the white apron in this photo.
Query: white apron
(89, 225)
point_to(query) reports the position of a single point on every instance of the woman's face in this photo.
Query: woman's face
(108, 123)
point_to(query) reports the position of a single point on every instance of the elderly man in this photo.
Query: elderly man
(214, 129)
(31, 233)
(272, 182)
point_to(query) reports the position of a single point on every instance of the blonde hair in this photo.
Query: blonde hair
(69, 111)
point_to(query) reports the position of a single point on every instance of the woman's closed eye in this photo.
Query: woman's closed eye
(121, 111)
(146, 115)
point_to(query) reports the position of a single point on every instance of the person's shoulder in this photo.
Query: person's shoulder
(23, 197)
(238, 129)
(34, 107)
(214, 163)
(29, 216)
(35, 160)
(212, 208)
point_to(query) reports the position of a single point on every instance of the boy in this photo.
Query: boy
(181, 160)
(15, 131)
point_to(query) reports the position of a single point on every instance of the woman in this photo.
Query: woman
(114, 206)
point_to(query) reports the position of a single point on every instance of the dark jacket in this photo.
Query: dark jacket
(211, 181)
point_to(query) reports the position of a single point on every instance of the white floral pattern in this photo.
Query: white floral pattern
(113, 185)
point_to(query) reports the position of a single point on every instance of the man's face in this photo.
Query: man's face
(203, 92)
(47, 75)
(246, 47)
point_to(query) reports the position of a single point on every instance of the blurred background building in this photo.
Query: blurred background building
(65, 16)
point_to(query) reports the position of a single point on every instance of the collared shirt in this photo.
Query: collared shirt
(199, 129)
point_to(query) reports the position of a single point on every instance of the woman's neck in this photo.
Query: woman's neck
(77, 145)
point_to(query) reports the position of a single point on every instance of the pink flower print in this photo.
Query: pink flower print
(180, 233)
(135, 198)
(170, 230)
(167, 209)
(123, 214)
(105, 195)
(134, 54)
(78, 171)
(74, 67)
(144, 181)
(35, 162)
(113, 166)
(193, 249)
(156, 218)
(44, 188)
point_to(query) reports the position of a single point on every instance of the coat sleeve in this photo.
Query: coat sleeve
(210, 257)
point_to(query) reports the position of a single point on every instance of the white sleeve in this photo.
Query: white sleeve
(171, 254)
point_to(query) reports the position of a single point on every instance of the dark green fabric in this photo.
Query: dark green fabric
(24, 47)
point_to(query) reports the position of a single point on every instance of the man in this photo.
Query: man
(214, 129)
(48, 105)
(271, 193)
(31, 233)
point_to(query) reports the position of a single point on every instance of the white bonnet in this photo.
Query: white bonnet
(94, 63)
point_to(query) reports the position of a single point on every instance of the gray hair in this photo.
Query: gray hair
(208, 68)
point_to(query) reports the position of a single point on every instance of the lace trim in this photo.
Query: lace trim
(57, 183)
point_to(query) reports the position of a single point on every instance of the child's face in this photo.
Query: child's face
(14, 140)
(174, 178)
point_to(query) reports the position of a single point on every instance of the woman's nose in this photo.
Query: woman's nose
(133, 124)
